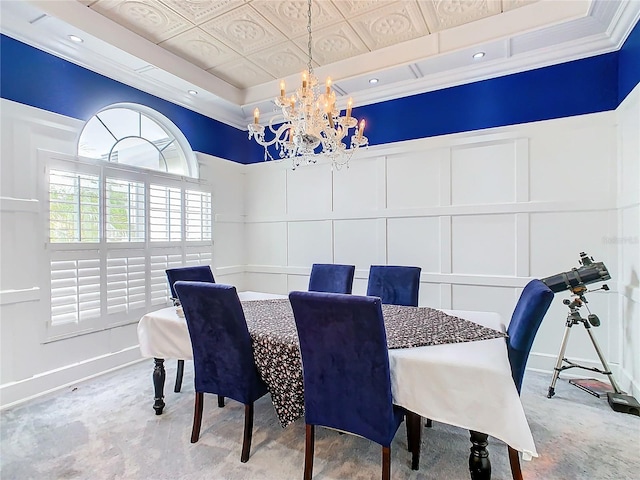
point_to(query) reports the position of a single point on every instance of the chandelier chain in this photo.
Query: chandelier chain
(310, 65)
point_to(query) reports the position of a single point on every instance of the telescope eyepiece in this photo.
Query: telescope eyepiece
(585, 259)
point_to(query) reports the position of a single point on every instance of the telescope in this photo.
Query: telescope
(576, 278)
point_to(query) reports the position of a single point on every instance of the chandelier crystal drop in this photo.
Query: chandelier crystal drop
(309, 119)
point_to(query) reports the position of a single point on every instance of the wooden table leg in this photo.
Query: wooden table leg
(479, 464)
(158, 385)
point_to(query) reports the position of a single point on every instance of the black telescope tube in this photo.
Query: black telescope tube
(594, 272)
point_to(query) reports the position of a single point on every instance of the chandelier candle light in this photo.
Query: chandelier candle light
(310, 119)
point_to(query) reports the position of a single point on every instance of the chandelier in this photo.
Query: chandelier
(308, 120)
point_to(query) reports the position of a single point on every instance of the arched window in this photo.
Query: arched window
(126, 208)
(136, 135)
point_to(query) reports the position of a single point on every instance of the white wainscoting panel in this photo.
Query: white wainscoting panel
(266, 190)
(297, 283)
(228, 247)
(414, 241)
(266, 243)
(627, 240)
(309, 190)
(558, 238)
(483, 174)
(483, 244)
(359, 243)
(266, 282)
(429, 295)
(574, 163)
(413, 180)
(227, 181)
(360, 284)
(309, 243)
(487, 299)
(629, 244)
(359, 188)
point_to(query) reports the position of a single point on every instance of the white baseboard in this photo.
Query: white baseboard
(14, 393)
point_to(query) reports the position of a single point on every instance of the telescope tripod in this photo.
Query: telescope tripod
(574, 318)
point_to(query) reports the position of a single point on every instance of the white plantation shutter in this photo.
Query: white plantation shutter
(114, 230)
(160, 262)
(75, 287)
(198, 215)
(126, 283)
(198, 256)
(124, 210)
(165, 213)
(74, 207)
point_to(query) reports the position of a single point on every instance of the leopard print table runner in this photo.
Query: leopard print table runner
(277, 354)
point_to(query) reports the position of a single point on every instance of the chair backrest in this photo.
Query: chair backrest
(525, 321)
(222, 353)
(395, 285)
(331, 278)
(201, 273)
(345, 363)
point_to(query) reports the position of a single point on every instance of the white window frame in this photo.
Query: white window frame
(153, 256)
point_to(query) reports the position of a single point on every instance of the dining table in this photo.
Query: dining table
(449, 366)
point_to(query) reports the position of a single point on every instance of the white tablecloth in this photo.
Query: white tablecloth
(162, 334)
(468, 385)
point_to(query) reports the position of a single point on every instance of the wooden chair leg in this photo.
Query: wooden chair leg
(308, 451)
(514, 461)
(414, 437)
(386, 463)
(248, 431)
(197, 417)
(220, 401)
(179, 374)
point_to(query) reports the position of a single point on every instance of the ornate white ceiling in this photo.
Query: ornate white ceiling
(235, 52)
(249, 42)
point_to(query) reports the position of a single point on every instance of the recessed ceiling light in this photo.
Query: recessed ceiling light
(75, 38)
(479, 55)
(192, 92)
(373, 81)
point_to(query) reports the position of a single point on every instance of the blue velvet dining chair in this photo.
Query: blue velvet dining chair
(222, 352)
(331, 278)
(200, 273)
(531, 308)
(395, 285)
(345, 364)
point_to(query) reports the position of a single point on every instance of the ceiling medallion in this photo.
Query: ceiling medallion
(310, 120)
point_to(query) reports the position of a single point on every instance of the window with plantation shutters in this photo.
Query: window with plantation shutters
(113, 231)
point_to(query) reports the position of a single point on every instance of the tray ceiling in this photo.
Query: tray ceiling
(235, 52)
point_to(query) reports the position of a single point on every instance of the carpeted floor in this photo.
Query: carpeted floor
(106, 429)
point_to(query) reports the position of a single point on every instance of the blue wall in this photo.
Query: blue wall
(36, 78)
(564, 90)
(629, 64)
(591, 85)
